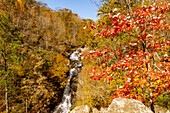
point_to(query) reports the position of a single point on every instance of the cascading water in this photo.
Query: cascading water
(75, 64)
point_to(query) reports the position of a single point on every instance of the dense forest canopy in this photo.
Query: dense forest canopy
(36, 41)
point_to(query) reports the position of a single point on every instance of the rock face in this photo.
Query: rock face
(118, 105)
(81, 109)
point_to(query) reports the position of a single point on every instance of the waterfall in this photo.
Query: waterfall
(75, 64)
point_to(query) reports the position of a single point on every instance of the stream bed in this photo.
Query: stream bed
(75, 65)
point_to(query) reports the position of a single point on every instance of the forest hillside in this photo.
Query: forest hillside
(127, 56)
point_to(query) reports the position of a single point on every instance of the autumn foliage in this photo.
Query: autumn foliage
(142, 62)
(35, 43)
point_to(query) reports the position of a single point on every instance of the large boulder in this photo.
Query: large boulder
(118, 105)
(95, 110)
(81, 109)
(124, 105)
(168, 111)
(159, 109)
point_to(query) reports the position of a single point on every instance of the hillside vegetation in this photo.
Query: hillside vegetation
(127, 56)
(35, 42)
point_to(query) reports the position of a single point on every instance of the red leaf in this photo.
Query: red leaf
(110, 16)
(154, 100)
(168, 42)
(92, 26)
(100, 25)
(108, 57)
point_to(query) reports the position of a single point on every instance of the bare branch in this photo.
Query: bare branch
(157, 56)
(94, 2)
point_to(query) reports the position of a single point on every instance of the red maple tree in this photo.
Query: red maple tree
(137, 62)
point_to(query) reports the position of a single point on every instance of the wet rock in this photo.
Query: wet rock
(81, 109)
(74, 82)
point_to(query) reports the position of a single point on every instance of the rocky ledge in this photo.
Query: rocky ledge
(118, 105)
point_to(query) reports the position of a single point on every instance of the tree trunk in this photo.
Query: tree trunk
(6, 87)
(149, 76)
(26, 105)
(128, 2)
(6, 98)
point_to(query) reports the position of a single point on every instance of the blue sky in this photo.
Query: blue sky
(84, 8)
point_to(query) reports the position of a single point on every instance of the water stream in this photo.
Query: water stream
(75, 64)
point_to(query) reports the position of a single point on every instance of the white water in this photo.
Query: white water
(64, 106)
(74, 55)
